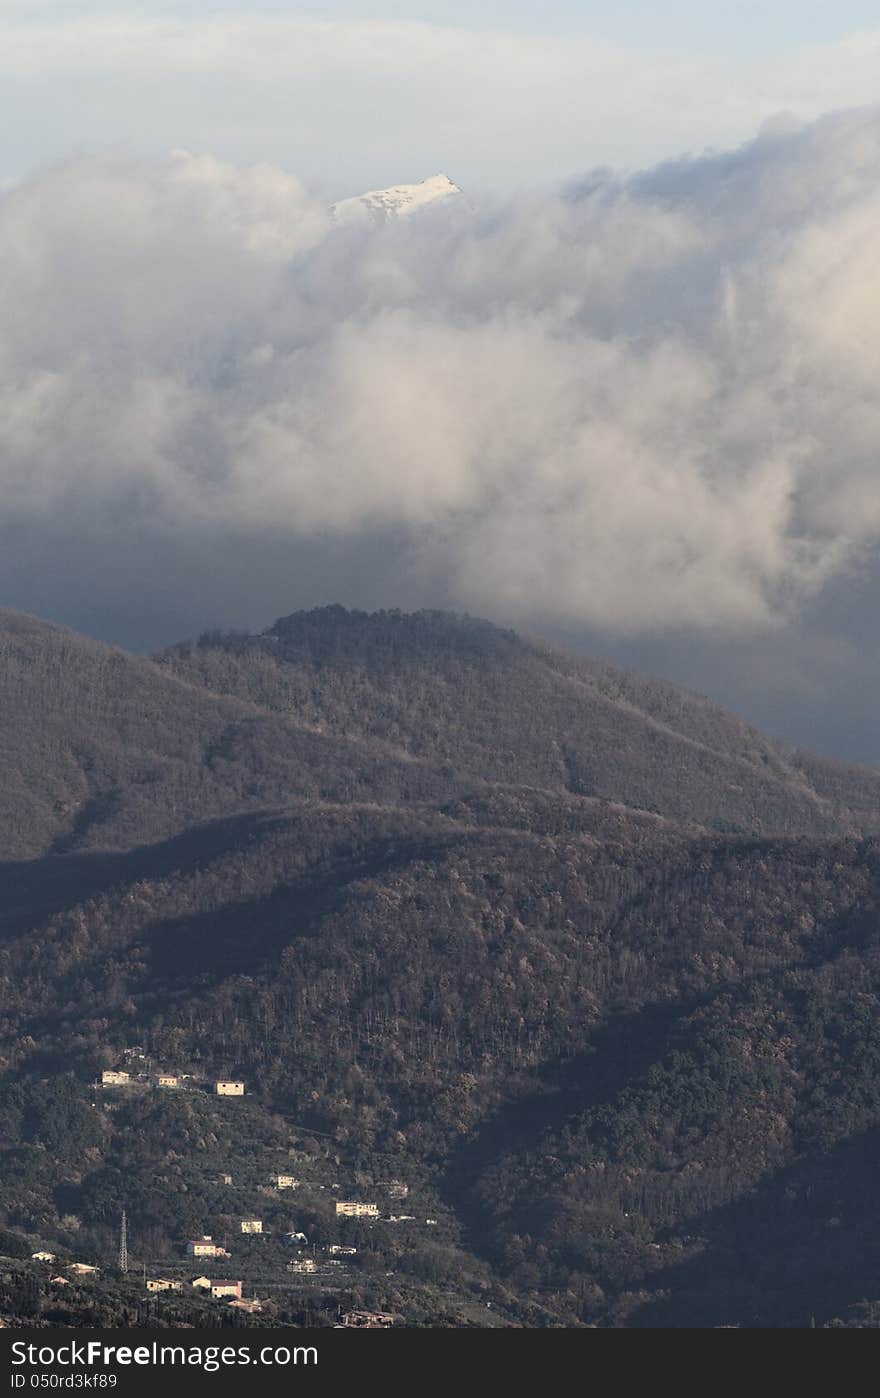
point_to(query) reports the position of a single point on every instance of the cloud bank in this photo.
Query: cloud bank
(641, 405)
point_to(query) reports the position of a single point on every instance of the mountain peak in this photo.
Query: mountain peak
(334, 635)
(400, 200)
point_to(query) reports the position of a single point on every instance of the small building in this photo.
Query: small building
(251, 1225)
(205, 1247)
(167, 1080)
(304, 1266)
(164, 1284)
(337, 1250)
(221, 1290)
(368, 1320)
(249, 1307)
(284, 1181)
(226, 1087)
(201, 1284)
(226, 1179)
(83, 1269)
(115, 1077)
(42, 1257)
(296, 1237)
(351, 1208)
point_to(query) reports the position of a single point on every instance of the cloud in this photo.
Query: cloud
(646, 405)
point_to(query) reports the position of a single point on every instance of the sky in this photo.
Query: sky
(621, 394)
(350, 93)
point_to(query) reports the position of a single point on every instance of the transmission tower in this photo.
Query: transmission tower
(123, 1243)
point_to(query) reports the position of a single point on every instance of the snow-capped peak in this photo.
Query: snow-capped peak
(377, 205)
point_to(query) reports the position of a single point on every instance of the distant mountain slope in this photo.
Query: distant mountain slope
(100, 749)
(496, 708)
(583, 956)
(621, 1056)
(103, 750)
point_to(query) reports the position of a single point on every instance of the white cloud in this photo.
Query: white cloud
(651, 406)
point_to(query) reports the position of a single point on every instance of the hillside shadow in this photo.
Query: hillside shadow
(191, 953)
(621, 1050)
(801, 1249)
(32, 891)
(249, 935)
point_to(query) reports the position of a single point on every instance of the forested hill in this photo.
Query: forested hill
(104, 750)
(489, 706)
(590, 963)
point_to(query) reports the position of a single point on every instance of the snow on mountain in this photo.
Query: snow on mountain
(401, 200)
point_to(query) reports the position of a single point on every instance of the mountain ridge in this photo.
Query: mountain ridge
(284, 668)
(105, 749)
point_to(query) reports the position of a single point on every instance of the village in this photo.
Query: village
(246, 1262)
(139, 1074)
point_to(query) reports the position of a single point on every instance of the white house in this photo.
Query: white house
(43, 1256)
(351, 1208)
(115, 1077)
(227, 1088)
(205, 1247)
(220, 1289)
(167, 1080)
(251, 1225)
(284, 1181)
